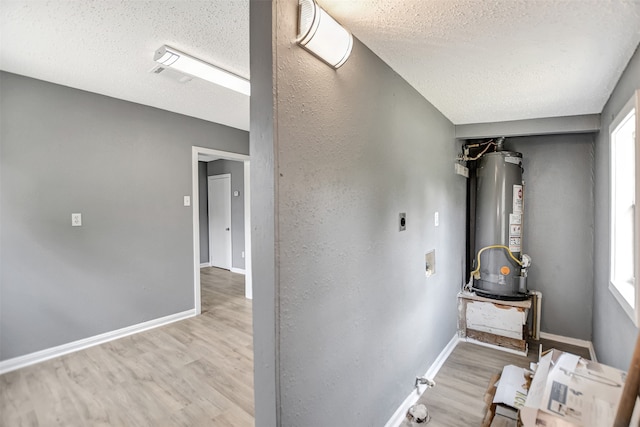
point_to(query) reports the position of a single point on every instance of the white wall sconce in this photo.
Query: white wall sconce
(170, 57)
(321, 35)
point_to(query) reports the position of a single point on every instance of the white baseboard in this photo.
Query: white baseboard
(237, 270)
(50, 353)
(205, 264)
(571, 341)
(399, 416)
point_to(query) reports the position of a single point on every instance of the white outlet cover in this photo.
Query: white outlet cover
(462, 170)
(76, 220)
(436, 219)
(187, 200)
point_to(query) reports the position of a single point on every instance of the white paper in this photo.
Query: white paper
(576, 392)
(511, 389)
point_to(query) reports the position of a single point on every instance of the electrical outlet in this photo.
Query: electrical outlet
(187, 200)
(76, 220)
(403, 221)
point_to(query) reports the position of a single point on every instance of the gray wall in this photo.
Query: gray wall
(558, 228)
(126, 168)
(203, 212)
(236, 169)
(356, 317)
(614, 334)
(263, 195)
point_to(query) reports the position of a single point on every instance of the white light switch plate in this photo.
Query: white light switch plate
(76, 219)
(187, 200)
(436, 219)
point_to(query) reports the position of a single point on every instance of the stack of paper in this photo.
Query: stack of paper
(570, 391)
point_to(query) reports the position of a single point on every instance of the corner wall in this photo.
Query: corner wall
(614, 334)
(558, 228)
(352, 149)
(126, 168)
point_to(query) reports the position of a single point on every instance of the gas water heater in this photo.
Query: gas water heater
(500, 267)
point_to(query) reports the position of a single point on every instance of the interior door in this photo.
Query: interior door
(220, 221)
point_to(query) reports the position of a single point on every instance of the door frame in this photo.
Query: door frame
(230, 248)
(248, 282)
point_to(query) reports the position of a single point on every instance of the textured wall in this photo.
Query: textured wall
(558, 228)
(614, 334)
(358, 319)
(236, 169)
(263, 195)
(125, 167)
(203, 197)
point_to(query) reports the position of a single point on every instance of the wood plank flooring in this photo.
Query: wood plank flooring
(195, 372)
(199, 372)
(457, 398)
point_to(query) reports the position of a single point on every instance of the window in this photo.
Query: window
(623, 218)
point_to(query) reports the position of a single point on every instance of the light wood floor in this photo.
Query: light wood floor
(195, 372)
(457, 398)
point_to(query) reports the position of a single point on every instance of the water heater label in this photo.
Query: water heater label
(517, 199)
(514, 244)
(515, 219)
(515, 230)
(514, 160)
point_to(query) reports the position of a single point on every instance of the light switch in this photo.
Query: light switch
(187, 200)
(436, 219)
(76, 220)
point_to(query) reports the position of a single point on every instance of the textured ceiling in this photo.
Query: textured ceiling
(475, 60)
(497, 60)
(107, 47)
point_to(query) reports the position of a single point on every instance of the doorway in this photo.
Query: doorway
(219, 201)
(207, 154)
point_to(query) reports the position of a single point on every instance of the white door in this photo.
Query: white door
(220, 221)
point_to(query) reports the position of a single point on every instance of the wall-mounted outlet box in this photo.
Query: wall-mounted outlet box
(462, 170)
(76, 220)
(403, 221)
(430, 263)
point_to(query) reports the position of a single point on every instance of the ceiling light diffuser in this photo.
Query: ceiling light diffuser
(321, 35)
(187, 64)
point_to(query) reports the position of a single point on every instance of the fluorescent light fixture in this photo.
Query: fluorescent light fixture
(321, 35)
(169, 57)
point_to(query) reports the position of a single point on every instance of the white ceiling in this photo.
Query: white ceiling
(475, 60)
(497, 60)
(107, 46)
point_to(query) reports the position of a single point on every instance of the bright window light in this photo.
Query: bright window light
(624, 219)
